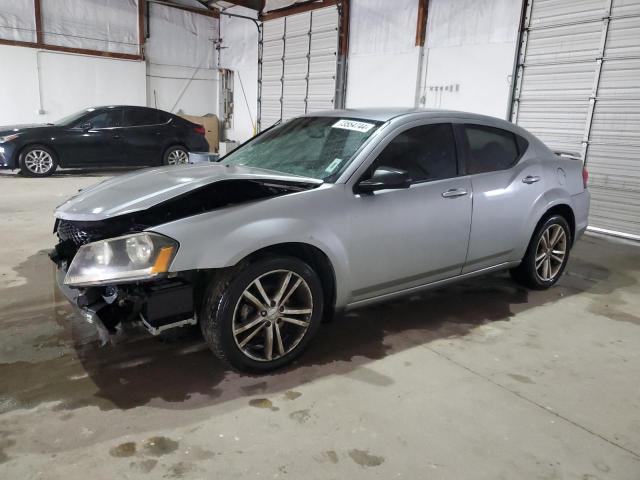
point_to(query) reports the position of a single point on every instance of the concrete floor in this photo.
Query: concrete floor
(483, 380)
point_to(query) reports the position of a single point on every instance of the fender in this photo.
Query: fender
(222, 238)
(545, 202)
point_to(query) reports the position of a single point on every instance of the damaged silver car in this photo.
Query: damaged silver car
(324, 213)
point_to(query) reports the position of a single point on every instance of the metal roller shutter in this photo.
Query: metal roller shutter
(578, 88)
(298, 67)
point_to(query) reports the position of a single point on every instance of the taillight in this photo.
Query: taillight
(585, 176)
(200, 129)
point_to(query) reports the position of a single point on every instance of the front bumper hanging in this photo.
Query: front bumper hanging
(157, 305)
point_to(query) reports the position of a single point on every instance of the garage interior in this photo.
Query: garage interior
(483, 379)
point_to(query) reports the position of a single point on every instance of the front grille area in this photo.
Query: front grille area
(78, 235)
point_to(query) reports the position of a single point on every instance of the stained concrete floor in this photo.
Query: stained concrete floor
(483, 380)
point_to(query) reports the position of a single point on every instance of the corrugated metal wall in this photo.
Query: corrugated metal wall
(578, 89)
(299, 64)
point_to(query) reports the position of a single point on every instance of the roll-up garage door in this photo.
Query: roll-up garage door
(578, 89)
(298, 65)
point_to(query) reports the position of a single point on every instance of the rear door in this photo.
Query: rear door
(94, 140)
(144, 135)
(409, 237)
(504, 191)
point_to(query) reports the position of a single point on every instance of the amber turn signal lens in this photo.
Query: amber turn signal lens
(161, 264)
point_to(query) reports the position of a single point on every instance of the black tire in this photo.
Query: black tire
(175, 155)
(37, 161)
(225, 295)
(526, 273)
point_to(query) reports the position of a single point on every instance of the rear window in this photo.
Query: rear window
(136, 117)
(491, 149)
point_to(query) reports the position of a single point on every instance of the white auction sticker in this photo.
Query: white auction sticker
(353, 125)
(333, 165)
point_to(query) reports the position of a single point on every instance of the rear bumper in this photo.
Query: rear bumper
(581, 203)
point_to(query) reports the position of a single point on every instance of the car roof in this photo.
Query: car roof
(386, 114)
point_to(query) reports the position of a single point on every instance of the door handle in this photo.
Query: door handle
(531, 179)
(116, 136)
(454, 192)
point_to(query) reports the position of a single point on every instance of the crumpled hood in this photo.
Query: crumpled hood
(138, 191)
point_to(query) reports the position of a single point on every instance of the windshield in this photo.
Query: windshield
(74, 117)
(316, 147)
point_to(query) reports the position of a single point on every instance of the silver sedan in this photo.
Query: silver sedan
(322, 214)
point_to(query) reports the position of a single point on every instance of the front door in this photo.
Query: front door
(410, 237)
(95, 140)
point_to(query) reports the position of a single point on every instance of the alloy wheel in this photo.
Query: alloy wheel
(177, 157)
(551, 252)
(38, 161)
(272, 315)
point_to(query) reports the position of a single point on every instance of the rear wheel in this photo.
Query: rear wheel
(176, 155)
(261, 317)
(37, 161)
(546, 256)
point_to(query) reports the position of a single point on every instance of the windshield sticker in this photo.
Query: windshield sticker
(353, 125)
(333, 165)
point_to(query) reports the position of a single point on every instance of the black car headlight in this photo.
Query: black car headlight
(129, 258)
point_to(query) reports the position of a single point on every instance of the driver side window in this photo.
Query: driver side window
(427, 152)
(105, 119)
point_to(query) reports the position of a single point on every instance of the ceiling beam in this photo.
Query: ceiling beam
(208, 11)
(257, 5)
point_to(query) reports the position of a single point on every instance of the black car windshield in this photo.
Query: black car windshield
(316, 147)
(74, 117)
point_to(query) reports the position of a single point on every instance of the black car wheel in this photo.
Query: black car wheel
(546, 256)
(176, 155)
(261, 317)
(37, 161)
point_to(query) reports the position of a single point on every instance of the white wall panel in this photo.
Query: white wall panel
(109, 25)
(17, 20)
(178, 37)
(67, 83)
(182, 89)
(383, 58)
(240, 54)
(469, 55)
(182, 73)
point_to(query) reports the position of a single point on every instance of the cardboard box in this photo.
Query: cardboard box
(210, 124)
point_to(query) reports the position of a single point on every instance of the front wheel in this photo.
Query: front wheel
(175, 155)
(261, 317)
(546, 256)
(37, 161)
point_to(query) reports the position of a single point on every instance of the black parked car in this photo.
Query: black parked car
(114, 136)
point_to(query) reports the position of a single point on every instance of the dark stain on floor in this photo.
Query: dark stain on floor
(127, 449)
(365, 459)
(264, 403)
(159, 446)
(62, 362)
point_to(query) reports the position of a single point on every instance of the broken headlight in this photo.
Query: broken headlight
(139, 256)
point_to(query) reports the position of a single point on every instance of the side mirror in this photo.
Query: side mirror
(384, 178)
(86, 126)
